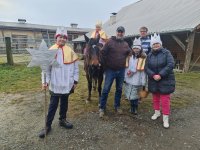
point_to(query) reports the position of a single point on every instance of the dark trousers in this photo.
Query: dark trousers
(134, 102)
(54, 100)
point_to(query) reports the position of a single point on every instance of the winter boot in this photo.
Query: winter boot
(101, 113)
(136, 110)
(134, 107)
(166, 121)
(132, 110)
(156, 115)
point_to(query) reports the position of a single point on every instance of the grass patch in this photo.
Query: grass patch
(17, 58)
(19, 78)
(188, 80)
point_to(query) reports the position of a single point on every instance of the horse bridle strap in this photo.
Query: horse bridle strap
(93, 46)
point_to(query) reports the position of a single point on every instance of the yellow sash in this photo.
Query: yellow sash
(102, 35)
(141, 64)
(127, 61)
(69, 56)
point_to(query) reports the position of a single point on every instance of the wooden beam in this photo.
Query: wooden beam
(180, 43)
(189, 52)
(194, 63)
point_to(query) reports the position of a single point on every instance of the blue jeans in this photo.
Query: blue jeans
(110, 75)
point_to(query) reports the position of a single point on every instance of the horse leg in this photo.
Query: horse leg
(89, 87)
(95, 84)
(100, 80)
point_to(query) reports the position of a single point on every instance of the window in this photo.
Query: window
(48, 37)
(19, 42)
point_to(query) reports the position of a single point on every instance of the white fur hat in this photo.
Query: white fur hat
(61, 31)
(155, 39)
(98, 24)
(137, 43)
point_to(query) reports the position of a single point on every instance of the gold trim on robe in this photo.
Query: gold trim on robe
(69, 56)
(141, 64)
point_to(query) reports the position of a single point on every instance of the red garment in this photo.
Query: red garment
(165, 102)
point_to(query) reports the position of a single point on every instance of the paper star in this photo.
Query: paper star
(42, 57)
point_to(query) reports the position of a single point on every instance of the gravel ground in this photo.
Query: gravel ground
(21, 117)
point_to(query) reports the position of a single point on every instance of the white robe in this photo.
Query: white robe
(135, 82)
(139, 77)
(61, 76)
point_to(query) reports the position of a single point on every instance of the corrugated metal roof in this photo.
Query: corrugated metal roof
(158, 15)
(39, 27)
(162, 16)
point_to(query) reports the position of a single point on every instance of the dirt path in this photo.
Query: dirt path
(22, 117)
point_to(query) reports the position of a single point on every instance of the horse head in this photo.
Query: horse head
(93, 51)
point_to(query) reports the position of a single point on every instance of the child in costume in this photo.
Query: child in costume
(61, 78)
(135, 76)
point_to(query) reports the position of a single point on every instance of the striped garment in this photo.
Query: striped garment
(146, 44)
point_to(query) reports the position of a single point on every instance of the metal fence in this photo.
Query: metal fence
(18, 48)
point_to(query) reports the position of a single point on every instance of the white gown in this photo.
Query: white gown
(61, 76)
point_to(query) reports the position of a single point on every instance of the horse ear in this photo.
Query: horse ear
(129, 41)
(86, 38)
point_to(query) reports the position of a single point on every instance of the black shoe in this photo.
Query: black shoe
(66, 124)
(42, 132)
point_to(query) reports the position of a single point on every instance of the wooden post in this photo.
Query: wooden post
(189, 51)
(45, 108)
(9, 51)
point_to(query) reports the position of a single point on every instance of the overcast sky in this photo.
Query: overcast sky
(60, 12)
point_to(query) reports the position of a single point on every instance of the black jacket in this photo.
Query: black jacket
(160, 62)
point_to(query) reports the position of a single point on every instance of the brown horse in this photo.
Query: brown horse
(92, 66)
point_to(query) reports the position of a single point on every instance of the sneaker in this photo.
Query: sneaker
(119, 111)
(101, 113)
(66, 124)
(156, 115)
(42, 132)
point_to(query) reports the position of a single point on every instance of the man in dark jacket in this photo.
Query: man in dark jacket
(161, 79)
(114, 54)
